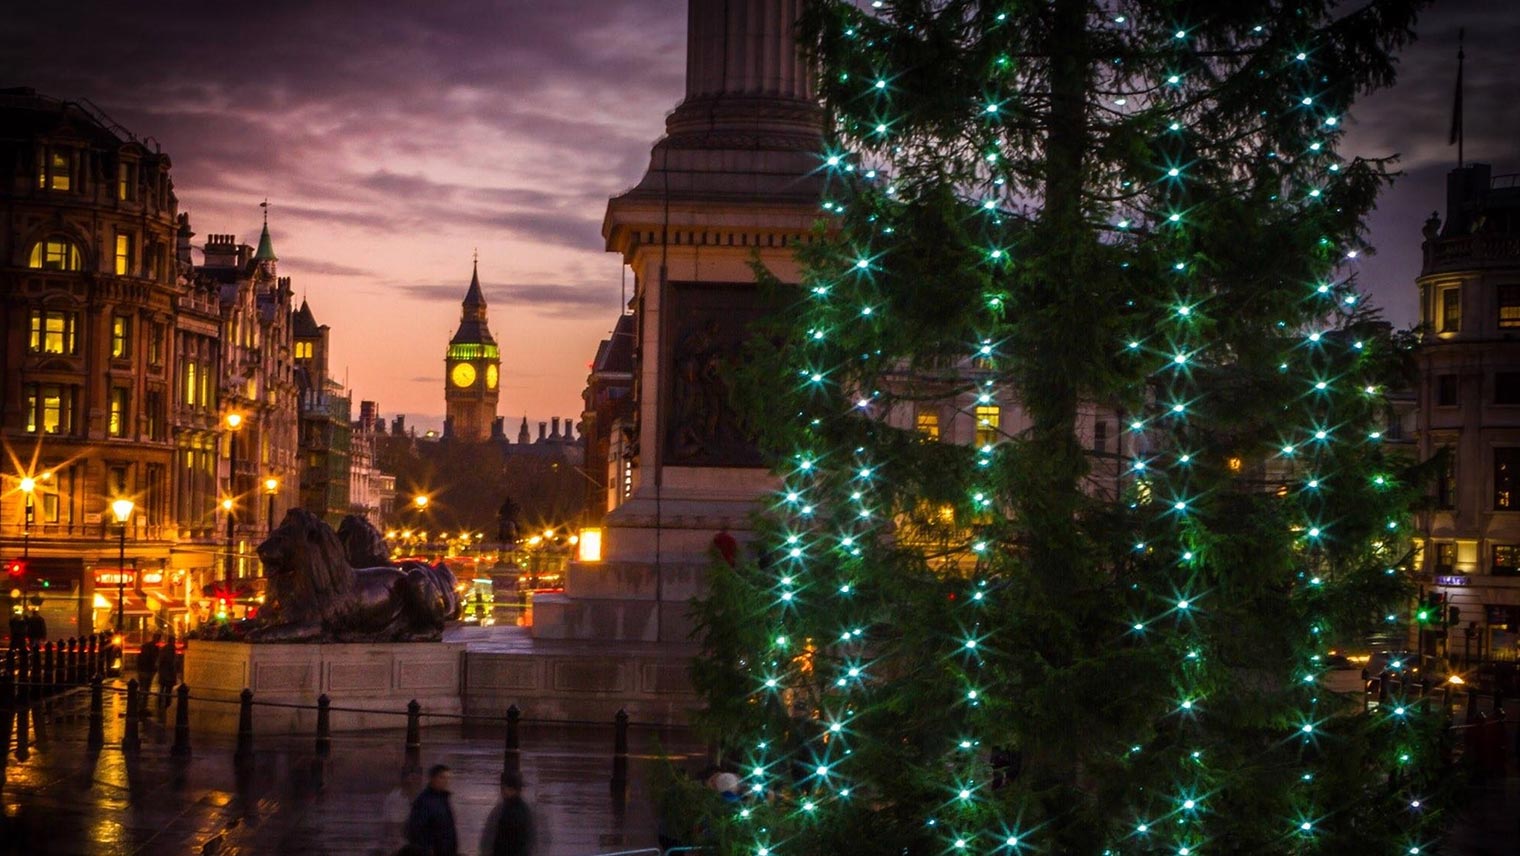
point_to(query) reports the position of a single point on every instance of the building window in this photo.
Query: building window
(1446, 481)
(126, 181)
(988, 418)
(119, 401)
(1509, 306)
(153, 403)
(52, 332)
(1506, 478)
(156, 345)
(303, 350)
(54, 254)
(1446, 390)
(1446, 557)
(121, 336)
(1451, 310)
(49, 409)
(55, 173)
(123, 254)
(926, 423)
(1100, 436)
(1506, 560)
(1507, 387)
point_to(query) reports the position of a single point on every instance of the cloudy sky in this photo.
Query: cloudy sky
(393, 138)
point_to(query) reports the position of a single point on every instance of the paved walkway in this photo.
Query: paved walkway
(66, 799)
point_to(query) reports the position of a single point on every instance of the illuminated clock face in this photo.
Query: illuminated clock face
(464, 375)
(490, 377)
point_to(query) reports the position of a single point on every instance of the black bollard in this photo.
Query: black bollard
(413, 726)
(91, 657)
(97, 713)
(181, 747)
(71, 662)
(244, 752)
(39, 682)
(49, 676)
(23, 676)
(1472, 705)
(324, 726)
(620, 751)
(7, 714)
(129, 739)
(512, 756)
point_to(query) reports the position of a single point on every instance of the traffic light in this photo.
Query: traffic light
(15, 568)
(1431, 608)
(1453, 615)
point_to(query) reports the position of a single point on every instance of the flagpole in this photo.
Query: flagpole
(1456, 107)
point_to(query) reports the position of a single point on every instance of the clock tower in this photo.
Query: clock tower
(472, 371)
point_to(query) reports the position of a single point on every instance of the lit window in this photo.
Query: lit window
(120, 340)
(1506, 560)
(1451, 309)
(49, 409)
(118, 424)
(54, 254)
(126, 181)
(54, 174)
(988, 419)
(926, 422)
(190, 369)
(1506, 477)
(52, 332)
(123, 254)
(1509, 306)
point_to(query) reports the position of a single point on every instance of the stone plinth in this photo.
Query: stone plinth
(590, 682)
(372, 677)
(625, 601)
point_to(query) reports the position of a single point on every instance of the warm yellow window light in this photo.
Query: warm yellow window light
(590, 547)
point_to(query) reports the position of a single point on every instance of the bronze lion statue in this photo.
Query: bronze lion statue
(316, 594)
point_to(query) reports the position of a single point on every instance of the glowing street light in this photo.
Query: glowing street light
(271, 488)
(121, 509)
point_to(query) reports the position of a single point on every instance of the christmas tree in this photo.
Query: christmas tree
(1034, 640)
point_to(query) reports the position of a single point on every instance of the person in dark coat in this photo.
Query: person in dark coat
(430, 826)
(18, 629)
(168, 670)
(36, 627)
(509, 828)
(147, 662)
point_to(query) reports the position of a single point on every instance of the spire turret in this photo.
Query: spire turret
(265, 252)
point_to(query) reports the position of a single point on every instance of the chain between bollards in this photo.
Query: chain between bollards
(620, 752)
(324, 726)
(181, 748)
(244, 752)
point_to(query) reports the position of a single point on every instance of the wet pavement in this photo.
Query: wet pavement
(64, 798)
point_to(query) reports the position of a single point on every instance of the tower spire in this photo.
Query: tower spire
(265, 252)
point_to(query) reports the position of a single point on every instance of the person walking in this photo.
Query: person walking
(36, 627)
(18, 629)
(509, 827)
(147, 662)
(430, 826)
(168, 670)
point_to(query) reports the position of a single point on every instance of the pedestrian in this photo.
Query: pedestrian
(168, 670)
(430, 826)
(36, 627)
(147, 662)
(509, 827)
(18, 629)
(397, 805)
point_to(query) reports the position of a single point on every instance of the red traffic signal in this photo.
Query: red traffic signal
(15, 568)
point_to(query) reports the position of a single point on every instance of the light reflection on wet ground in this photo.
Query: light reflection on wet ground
(66, 799)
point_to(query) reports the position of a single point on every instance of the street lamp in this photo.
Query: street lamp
(271, 487)
(28, 484)
(122, 510)
(234, 422)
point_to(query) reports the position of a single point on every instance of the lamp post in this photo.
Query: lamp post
(122, 510)
(27, 485)
(420, 503)
(271, 488)
(234, 422)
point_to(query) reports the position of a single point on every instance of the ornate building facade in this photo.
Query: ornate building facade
(472, 372)
(91, 286)
(1469, 408)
